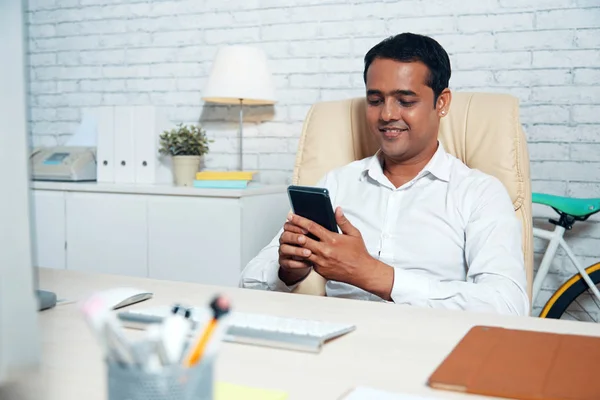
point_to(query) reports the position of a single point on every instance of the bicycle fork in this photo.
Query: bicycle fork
(556, 239)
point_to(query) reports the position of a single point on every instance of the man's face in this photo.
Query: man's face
(400, 108)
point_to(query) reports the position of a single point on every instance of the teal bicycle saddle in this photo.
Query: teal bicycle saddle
(568, 205)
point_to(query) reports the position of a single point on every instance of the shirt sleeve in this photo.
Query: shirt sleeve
(262, 272)
(495, 280)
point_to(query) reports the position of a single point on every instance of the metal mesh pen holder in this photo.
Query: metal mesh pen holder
(170, 383)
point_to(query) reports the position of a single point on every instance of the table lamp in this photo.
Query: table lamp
(240, 75)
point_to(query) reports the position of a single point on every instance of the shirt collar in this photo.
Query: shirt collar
(438, 166)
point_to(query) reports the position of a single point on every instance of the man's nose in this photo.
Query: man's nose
(390, 111)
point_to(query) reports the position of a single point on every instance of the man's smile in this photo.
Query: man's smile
(392, 132)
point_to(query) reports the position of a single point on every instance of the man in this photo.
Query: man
(418, 226)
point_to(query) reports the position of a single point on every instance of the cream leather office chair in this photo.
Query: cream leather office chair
(481, 129)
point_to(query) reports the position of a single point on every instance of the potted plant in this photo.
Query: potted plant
(187, 145)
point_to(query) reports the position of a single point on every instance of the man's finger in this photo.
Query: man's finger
(288, 226)
(287, 250)
(292, 264)
(292, 238)
(309, 226)
(315, 246)
(316, 261)
(345, 225)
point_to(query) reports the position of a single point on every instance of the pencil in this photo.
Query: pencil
(220, 307)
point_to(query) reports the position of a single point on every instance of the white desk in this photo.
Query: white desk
(394, 347)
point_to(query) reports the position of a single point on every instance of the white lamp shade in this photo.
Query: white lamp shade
(240, 72)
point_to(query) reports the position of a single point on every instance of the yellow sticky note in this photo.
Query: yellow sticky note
(229, 391)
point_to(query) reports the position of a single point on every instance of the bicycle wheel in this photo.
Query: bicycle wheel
(569, 293)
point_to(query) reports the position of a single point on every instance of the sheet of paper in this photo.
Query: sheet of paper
(86, 132)
(366, 393)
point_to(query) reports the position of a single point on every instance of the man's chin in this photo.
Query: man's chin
(393, 152)
(396, 146)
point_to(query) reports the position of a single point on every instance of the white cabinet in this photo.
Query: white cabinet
(262, 218)
(210, 239)
(163, 232)
(48, 223)
(194, 239)
(107, 233)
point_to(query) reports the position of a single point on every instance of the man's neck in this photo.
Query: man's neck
(402, 172)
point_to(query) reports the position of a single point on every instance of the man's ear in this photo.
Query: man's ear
(442, 105)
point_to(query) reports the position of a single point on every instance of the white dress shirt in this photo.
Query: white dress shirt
(451, 235)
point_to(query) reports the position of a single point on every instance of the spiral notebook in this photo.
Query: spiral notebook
(520, 364)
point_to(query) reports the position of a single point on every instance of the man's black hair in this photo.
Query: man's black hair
(410, 47)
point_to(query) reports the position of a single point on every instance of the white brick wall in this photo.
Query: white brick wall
(105, 52)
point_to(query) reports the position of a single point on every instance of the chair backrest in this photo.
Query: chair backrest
(481, 129)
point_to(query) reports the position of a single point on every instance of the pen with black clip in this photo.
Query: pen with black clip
(220, 307)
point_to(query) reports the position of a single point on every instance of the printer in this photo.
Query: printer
(64, 163)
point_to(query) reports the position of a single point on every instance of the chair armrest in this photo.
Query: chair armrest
(314, 284)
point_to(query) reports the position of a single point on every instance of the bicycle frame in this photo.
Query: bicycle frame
(556, 239)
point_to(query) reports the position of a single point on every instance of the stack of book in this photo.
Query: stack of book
(223, 179)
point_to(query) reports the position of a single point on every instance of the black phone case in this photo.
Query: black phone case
(313, 203)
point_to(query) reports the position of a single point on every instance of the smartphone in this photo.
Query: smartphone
(313, 203)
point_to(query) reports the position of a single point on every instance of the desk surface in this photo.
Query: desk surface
(393, 348)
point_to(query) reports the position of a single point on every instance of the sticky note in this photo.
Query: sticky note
(229, 391)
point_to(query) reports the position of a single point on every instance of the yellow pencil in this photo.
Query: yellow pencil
(220, 307)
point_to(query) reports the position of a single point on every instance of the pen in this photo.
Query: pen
(118, 343)
(154, 357)
(220, 307)
(173, 334)
(214, 343)
(91, 310)
(107, 329)
(96, 315)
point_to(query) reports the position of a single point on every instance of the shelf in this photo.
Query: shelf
(254, 189)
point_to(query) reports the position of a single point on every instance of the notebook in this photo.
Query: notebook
(229, 391)
(522, 364)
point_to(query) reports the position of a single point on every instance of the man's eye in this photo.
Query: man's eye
(374, 102)
(407, 103)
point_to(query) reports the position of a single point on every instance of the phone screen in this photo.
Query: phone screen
(314, 204)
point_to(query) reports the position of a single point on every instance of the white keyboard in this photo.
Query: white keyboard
(257, 329)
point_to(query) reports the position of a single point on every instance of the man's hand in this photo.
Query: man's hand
(335, 257)
(293, 263)
(344, 258)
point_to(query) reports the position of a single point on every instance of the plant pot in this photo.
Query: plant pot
(185, 168)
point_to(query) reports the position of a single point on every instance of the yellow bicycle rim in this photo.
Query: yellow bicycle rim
(576, 278)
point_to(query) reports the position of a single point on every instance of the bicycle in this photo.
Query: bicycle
(570, 210)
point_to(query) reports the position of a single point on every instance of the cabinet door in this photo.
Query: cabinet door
(48, 223)
(194, 239)
(107, 233)
(262, 218)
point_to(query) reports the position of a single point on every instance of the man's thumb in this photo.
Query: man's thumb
(345, 225)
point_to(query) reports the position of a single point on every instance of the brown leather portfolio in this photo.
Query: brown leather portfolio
(519, 364)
